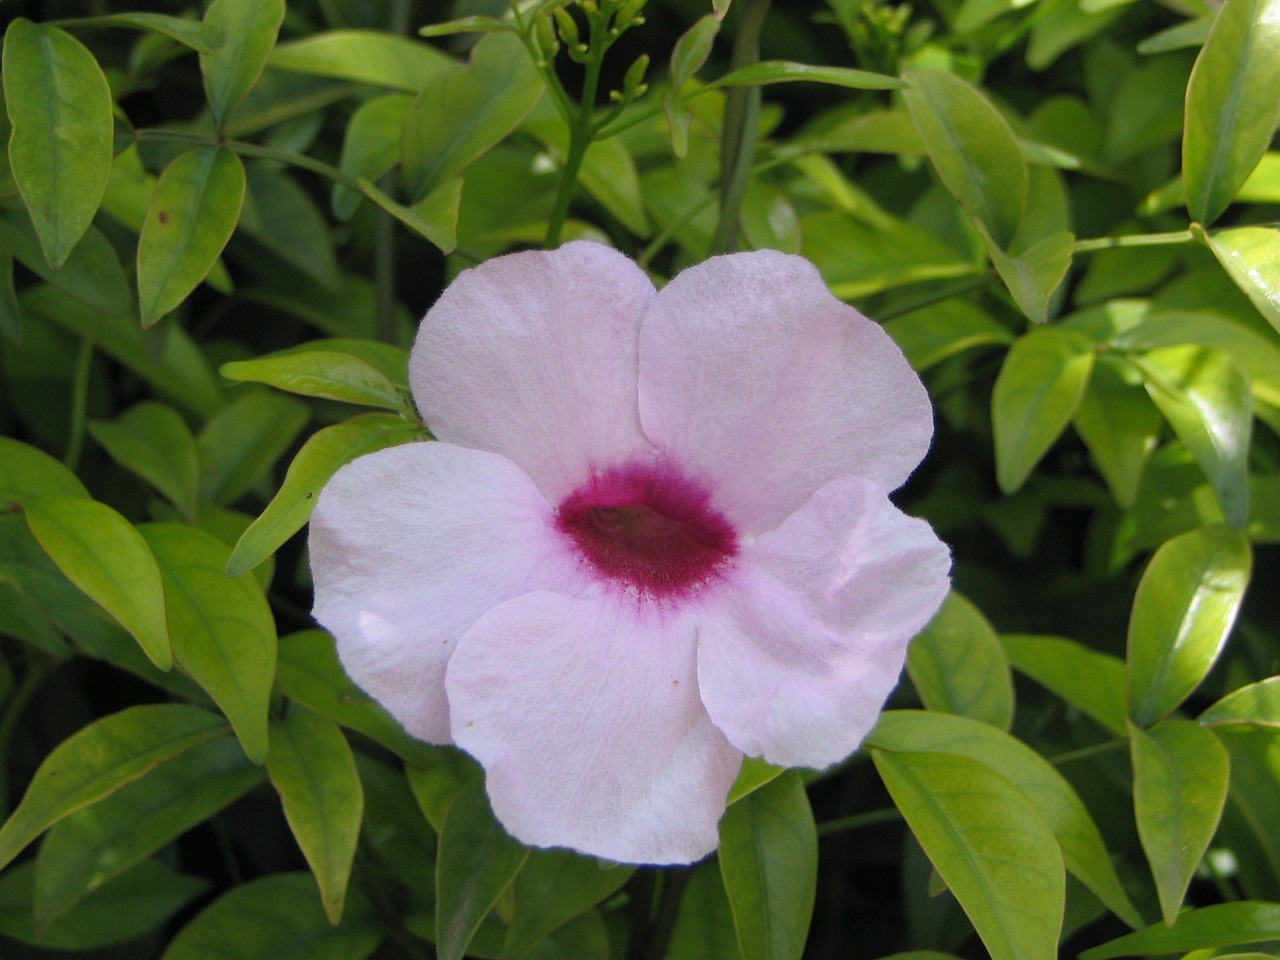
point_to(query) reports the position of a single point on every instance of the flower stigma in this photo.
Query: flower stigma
(648, 528)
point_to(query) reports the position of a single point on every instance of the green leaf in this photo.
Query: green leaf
(153, 441)
(102, 554)
(1180, 778)
(319, 373)
(194, 212)
(1083, 849)
(366, 56)
(932, 334)
(692, 50)
(1206, 399)
(27, 472)
(126, 908)
(704, 926)
(554, 887)
(973, 149)
(476, 24)
(222, 630)
(309, 673)
(240, 444)
(199, 36)
(249, 29)
(769, 862)
(1090, 681)
(93, 846)
(958, 665)
(1032, 275)
(434, 217)
(101, 758)
(1251, 257)
(279, 214)
(92, 272)
(1228, 125)
(753, 775)
(1254, 704)
(784, 71)
(988, 843)
(476, 863)
(318, 460)
(438, 779)
(61, 145)
(311, 766)
(371, 146)
(1039, 388)
(1119, 424)
(1221, 925)
(1183, 611)
(466, 109)
(10, 312)
(276, 916)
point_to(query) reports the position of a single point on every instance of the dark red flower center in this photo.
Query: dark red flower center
(648, 527)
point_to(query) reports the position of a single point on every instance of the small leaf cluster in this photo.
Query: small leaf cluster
(217, 225)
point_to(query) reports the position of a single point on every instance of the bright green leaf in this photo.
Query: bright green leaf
(434, 217)
(366, 56)
(371, 146)
(1183, 610)
(1221, 925)
(1206, 399)
(1254, 704)
(1228, 123)
(249, 29)
(477, 861)
(1251, 256)
(101, 758)
(60, 148)
(466, 109)
(222, 630)
(769, 862)
(438, 778)
(319, 373)
(194, 212)
(972, 148)
(196, 34)
(1032, 275)
(278, 917)
(931, 335)
(311, 766)
(94, 845)
(783, 71)
(1119, 424)
(476, 24)
(988, 843)
(317, 461)
(153, 441)
(692, 50)
(27, 472)
(958, 665)
(104, 555)
(1180, 778)
(1040, 386)
(1083, 849)
(1090, 681)
(242, 442)
(753, 775)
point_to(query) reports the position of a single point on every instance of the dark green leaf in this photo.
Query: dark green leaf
(704, 927)
(1228, 125)
(91, 272)
(931, 335)
(222, 630)
(438, 778)
(1090, 681)
(958, 665)
(477, 861)
(434, 217)
(101, 758)
(1183, 611)
(989, 844)
(466, 109)
(61, 145)
(1206, 399)
(1180, 779)
(153, 441)
(194, 212)
(1032, 275)
(249, 29)
(769, 862)
(554, 887)
(103, 555)
(366, 56)
(240, 445)
(280, 214)
(199, 36)
(10, 312)
(317, 461)
(1119, 424)
(311, 767)
(1221, 925)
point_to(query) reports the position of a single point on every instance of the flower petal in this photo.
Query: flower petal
(409, 546)
(585, 715)
(533, 356)
(761, 382)
(798, 662)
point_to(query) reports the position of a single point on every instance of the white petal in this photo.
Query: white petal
(586, 717)
(409, 547)
(533, 356)
(797, 663)
(766, 386)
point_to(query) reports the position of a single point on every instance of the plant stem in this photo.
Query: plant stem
(869, 819)
(1085, 753)
(741, 118)
(80, 397)
(1135, 240)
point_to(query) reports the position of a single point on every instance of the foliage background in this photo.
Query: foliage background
(218, 227)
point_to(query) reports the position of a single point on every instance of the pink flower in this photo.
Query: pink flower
(654, 536)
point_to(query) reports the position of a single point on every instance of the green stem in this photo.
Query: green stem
(967, 285)
(38, 671)
(1135, 240)
(1085, 753)
(871, 818)
(80, 396)
(581, 131)
(741, 118)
